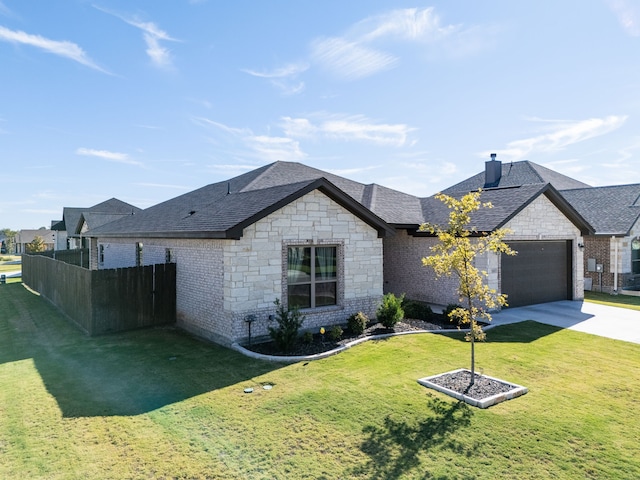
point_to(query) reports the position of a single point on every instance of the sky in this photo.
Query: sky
(146, 100)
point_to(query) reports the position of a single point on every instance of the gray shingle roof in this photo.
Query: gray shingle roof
(516, 174)
(507, 203)
(610, 210)
(224, 209)
(73, 217)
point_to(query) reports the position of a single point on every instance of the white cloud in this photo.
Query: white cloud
(276, 148)
(561, 134)
(348, 128)
(61, 48)
(284, 78)
(245, 143)
(107, 155)
(628, 14)
(410, 24)
(350, 60)
(361, 51)
(286, 71)
(152, 34)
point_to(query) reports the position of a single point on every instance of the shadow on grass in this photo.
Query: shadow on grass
(395, 448)
(527, 331)
(120, 374)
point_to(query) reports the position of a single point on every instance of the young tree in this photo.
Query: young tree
(10, 239)
(455, 253)
(36, 245)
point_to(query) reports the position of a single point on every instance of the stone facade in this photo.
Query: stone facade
(541, 220)
(220, 283)
(403, 253)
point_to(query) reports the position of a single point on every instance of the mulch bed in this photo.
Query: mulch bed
(322, 343)
(483, 387)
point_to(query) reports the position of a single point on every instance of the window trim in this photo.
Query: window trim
(339, 279)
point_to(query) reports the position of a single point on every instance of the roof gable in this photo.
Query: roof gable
(507, 203)
(217, 211)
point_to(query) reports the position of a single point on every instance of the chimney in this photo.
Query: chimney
(492, 172)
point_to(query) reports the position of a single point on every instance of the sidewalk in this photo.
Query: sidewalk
(602, 320)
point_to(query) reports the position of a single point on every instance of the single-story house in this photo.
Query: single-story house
(332, 247)
(612, 254)
(25, 237)
(77, 220)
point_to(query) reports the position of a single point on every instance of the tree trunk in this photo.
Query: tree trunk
(473, 352)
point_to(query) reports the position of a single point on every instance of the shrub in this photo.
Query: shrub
(289, 322)
(335, 333)
(357, 323)
(417, 310)
(307, 338)
(390, 310)
(447, 312)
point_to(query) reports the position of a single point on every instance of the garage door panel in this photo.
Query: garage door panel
(539, 273)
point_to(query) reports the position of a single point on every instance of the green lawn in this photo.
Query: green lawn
(160, 404)
(623, 301)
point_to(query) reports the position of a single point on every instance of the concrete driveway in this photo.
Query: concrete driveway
(611, 322)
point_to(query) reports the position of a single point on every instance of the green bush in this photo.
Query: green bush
(357, 323)
(417, 310)
(307, 338)
(289, 322)
(335, 333)
(447, 312)
(390, 310)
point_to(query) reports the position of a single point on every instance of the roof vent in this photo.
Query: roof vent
(492, 172)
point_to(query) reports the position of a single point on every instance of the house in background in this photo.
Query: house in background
(331, 246)
(76, 220)
(25, 237)
(612, 254)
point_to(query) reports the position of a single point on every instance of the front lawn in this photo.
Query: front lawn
(160, 404)
(622, 301)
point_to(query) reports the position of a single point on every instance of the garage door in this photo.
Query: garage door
(539, 273)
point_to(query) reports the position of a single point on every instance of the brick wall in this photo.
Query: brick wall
(404, 272)
(221, 282)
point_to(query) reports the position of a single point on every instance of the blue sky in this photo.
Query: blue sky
(146, 100)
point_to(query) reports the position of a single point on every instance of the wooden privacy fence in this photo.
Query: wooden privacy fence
(103, 301)
(78, 256)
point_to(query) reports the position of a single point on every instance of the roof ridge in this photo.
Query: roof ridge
(267, 168)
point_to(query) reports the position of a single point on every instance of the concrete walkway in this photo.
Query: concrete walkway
(13, 274)
(611, 322)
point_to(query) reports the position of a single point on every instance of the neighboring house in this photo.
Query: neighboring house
(76, 220)
(612, 254)
(331, 246)
(25, 237)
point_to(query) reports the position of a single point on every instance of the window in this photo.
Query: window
(101, 253)
(168, 255)
(312, 277)
(635, 256)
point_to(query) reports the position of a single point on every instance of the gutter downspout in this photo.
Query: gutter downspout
(615, 265)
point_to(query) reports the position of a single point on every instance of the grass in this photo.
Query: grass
(623, 301)
(160, 404)
(4, 267)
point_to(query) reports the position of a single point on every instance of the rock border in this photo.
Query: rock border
(329, 353)
(515, 392)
